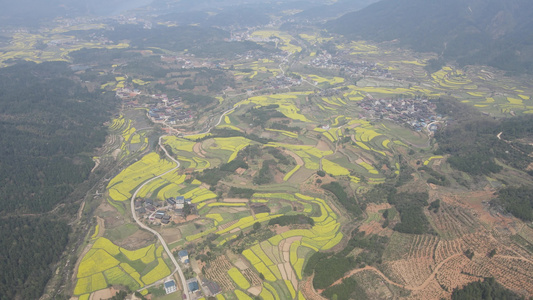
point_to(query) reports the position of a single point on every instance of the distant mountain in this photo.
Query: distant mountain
(228, 13)
(494, 32)
(330, 11)
(33, 12)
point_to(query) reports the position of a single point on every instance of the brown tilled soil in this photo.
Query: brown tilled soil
(103, 294)
(322, 146)
(137, 240)
(198, 149)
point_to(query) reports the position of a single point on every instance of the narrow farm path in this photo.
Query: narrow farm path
(417, 288)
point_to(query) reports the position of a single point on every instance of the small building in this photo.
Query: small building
(184, 256)
(212, 286)
(158, 216)
(170, 287)
(193, 285)
(180, 202)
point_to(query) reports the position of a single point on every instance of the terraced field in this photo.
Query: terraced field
(107, 264)
(323, 129)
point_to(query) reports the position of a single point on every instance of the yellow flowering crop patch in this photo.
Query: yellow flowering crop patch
(179, 143)
(238, 278)
(95, 231)
(242, 296)
(298, 267)
(515, 101)
(266, 295)
(250, 256)
(90, 284)
(201, 234)
(127, 180)
(137, 254)
(150, 257)
(216, 217)
(84, 297)
(203, 197)
(284, 132)
(271, 289)
(129, 269)
(159, 272)
(432, 158)
(291, 172)
(117, 276)
(98, 262)
(386, 144)
(294, 252)
(263, 269)
(333, 168)
(289, 285)
(369, 168)
(223, 204)
(261, 254)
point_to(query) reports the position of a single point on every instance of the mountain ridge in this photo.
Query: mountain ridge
(494, 32)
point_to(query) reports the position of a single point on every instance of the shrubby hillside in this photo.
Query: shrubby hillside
(494, 32)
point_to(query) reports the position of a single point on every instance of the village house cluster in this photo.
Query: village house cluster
(163, 212)
(325, 60)
(280, 82)
(169, 111)
(418, 113)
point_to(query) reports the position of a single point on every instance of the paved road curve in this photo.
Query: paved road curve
(143, 226)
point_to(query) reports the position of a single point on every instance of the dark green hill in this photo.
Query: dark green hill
(50, 125)
(334, 10)
(494, 32)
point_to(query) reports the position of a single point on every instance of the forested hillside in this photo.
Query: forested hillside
(50, 125)
(29, 245)
(494, 32)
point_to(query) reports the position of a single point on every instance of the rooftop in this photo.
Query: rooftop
(169, 284)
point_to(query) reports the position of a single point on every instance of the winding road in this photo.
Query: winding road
(411, 288)
(157, 234)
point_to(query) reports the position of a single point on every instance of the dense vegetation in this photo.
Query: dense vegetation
(494, 32)
(232, 133)
(260, 116)
(29, 245)
(473, 143)
(348, 289)
(240, 192)
(349, 203)
(410, 206)
(482, 290)
(518, 201)
(265, 175)
(101, 56)
(50, 124)
(202, 41)
(328, 267)
(292, 220)
(214, 175)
